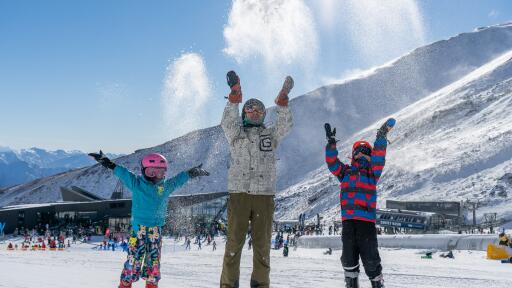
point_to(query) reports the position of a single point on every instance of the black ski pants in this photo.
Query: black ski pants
(360, 240)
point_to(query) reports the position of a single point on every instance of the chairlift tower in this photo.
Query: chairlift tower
(491, 220)
(472, 206)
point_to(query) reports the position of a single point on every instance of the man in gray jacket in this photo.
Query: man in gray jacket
(252, 179)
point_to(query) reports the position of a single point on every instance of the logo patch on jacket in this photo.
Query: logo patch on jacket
(160, 190)
(265, 143)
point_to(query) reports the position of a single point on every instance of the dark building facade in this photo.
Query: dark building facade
(420, 216)
(84, 208)
(97, 212)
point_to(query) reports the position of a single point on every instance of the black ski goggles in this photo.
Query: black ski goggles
(362, 149)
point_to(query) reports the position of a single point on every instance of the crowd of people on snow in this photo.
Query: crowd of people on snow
(50, 239)
(200, 240)
(112, 241)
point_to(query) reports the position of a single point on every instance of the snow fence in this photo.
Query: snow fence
(424, 241)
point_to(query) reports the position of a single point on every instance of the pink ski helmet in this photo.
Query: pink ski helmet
(154, 160)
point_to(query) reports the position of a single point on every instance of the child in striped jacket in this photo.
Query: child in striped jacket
(358, 199)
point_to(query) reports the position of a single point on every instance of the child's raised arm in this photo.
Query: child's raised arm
(334, 164)
(379, 148)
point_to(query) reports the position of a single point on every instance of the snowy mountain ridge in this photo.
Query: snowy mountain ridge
(20, 166)
(351, 107)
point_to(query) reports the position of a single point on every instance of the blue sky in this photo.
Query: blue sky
(124, 75)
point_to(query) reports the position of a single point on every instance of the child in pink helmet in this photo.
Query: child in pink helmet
(150, 194)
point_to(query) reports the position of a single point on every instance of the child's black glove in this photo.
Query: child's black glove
(330, 134)
(103, 160)
(197, 171)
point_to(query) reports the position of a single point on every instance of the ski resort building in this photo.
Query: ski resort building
(420, 216)
(80, 207)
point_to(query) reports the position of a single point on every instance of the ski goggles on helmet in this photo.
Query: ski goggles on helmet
(253, 109)
(361, 147)
(155, 172)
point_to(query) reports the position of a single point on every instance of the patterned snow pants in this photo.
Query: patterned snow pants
(144, 249)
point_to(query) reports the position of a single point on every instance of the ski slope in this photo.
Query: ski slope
(82, 267)
(454, 144)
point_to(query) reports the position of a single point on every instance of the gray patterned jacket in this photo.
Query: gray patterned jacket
(253, 151)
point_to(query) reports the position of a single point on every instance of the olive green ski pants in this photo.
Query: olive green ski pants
(259, 210)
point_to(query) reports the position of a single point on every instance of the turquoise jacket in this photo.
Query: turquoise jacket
(149, 201)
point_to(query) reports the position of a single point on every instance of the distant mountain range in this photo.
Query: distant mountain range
(20, 166)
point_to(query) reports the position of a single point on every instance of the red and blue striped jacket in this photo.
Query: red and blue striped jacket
(358, 196)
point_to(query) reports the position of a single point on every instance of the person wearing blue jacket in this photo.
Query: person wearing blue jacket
(150, 194)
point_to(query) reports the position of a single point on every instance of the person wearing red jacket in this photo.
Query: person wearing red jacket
(358, 199)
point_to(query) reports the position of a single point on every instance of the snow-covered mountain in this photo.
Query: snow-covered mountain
(455, 144)
(354, 105)
(209, 143)
(351, 107)
(20, 166)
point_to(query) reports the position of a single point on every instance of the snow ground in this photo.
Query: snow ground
(81, 267)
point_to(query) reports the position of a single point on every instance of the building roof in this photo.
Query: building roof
(80, 198)
(77, 194)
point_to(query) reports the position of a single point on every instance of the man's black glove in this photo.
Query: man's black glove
(235, 96)
(232, 78)
(197, 171)
(103, 160)
(330, 134)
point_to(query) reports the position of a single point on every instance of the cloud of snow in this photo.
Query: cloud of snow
(378, 30)
(347, 76)
(327, 10)
(277, 31)
(186, 91)
(356, 73)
